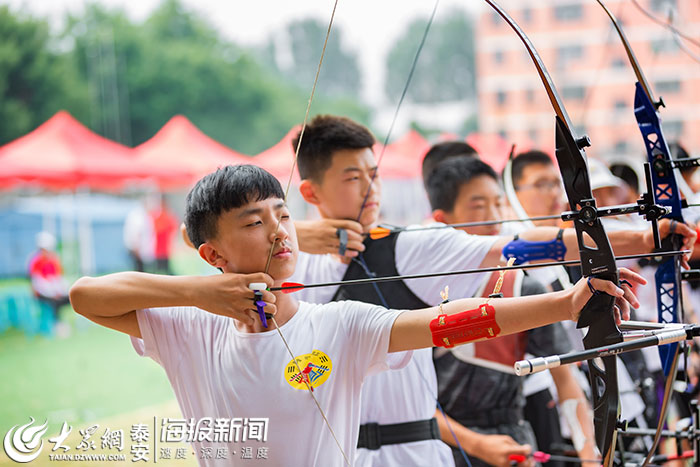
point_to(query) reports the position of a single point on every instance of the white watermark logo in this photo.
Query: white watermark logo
(21, 443)
(207, 437)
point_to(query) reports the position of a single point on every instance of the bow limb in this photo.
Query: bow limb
(509, 189)
(666, 192)
(597, 261)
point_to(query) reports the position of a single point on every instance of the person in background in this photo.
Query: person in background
(538, 185)
(609, 190)
(138, 237)
(164, 225)
(628, 175)
(688, 173)
(46, 276)
(539, 190)
(476, 383)
(443, 151)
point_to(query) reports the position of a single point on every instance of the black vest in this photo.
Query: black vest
(380, 259)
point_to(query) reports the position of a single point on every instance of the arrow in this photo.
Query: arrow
(381, 232)
(543, 457)
(290, 287)
(650, 210)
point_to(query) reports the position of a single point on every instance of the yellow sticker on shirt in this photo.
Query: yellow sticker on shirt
(315, 369)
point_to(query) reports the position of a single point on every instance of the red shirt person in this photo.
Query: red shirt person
(46, 273)
(164, 226)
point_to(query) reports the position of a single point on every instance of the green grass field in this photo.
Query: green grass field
(92, 376)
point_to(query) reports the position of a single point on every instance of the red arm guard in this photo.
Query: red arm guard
(466, 326)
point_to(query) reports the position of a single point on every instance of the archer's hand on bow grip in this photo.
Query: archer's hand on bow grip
(619, 297)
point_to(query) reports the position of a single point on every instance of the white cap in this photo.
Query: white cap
(601, 176)
(46, 241)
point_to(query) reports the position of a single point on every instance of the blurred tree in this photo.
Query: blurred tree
(36, 80)
(295, 53)
(175, 63)
(446, 66)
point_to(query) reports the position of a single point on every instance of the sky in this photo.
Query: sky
(369, 26)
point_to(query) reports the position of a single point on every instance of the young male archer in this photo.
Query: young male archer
(476, 382)
(223, 363)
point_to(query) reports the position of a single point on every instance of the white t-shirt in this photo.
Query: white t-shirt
(218, 371)
(407, 394)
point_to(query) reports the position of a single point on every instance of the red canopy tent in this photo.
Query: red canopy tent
(279, 158)
(403, 158)
(63, 154)
(180, 145)
(494, 150)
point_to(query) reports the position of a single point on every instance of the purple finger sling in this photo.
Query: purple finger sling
(260, 306)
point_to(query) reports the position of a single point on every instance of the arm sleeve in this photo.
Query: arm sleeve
(442, 250)
(168, 333)
(369, 331)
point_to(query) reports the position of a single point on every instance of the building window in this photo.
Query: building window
(673, 128)
(668, 87)
(503, 134)
(570, 12)
(620, 147)
(568, 54)
(530, 96)
(663, 6)
(527, 15)
(532, 134)
(665, 45)
(620, 105)
(573, 92)
(501, 97)
(617, 63)
(498, 56)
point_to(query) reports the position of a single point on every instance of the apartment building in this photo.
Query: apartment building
(590, 69)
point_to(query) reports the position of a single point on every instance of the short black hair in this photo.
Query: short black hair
(228, 188)
(527, 158)
(322, 137)
(679, 152)
(627, 174)
(449, 176)
(442, 151)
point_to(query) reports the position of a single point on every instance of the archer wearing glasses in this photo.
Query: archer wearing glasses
(538, 185)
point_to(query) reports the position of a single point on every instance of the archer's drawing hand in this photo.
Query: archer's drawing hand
(624, 297)
(670, 226)
(496, 450)
(320, 236)
(228, 295)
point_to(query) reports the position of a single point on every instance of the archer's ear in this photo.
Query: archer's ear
(307, 188)
(185, 237)
(209, 254)
(440, 216)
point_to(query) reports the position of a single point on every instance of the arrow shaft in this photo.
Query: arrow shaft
(376, 280)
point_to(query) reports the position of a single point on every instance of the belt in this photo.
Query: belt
(373, 435)
(493, 417)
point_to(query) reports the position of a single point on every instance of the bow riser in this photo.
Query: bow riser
(659, 155)
(667, 278)
(667, 194)
(599, 262)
